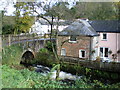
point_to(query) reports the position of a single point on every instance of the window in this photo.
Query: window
(73, 38)
(82, 53)
(63, 52)
(104, 37)
(104, 52)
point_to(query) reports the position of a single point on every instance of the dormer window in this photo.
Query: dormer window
(104, 36)
(72, 39)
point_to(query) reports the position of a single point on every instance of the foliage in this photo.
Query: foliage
(82, 84)
(8, 29)
(59, 9)
(8, 24)
(53, 69)
(110, 51)
(44, 57)
(24, 78)
(48, 45)
(95, 10)
(23, 19)
(98, 59)
(11, 54)
(43, 50)
(12, 78)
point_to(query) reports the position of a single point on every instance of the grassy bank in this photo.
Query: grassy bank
(24, 78)
(12, 78)
(12, 54)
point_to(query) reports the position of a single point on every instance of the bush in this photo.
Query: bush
(44, 57)
(11, 54)
(43, 50)
(97, 59)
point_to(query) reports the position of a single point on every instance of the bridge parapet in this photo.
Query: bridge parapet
(9, 39)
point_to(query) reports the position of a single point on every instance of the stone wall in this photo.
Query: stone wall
(72, 49)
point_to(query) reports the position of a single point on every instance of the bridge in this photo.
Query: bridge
(30, 44)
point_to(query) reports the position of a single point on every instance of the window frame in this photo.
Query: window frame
(73, 40)
(64, 52)
(80, 53)
(103, 36)
(103, 49)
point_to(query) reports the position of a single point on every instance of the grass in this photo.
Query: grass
(12, 78)
(11, 54)
(24, 78)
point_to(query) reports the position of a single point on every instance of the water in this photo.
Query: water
(62, 75)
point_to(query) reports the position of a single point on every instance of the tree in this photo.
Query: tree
(8, 27)
(94, 10)
(117, 9)
(23, 19)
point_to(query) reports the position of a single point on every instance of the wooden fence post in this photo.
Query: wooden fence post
(9, 40)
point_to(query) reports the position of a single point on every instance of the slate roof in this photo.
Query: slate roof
(112, 26)
(78, 28)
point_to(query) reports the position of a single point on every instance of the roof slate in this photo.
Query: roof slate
(112, 26)
(78, 28)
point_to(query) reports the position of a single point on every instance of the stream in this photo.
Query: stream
(62, 75)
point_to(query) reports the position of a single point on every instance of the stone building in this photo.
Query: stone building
(75, 40)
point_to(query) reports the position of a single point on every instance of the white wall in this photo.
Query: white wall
(42, 29)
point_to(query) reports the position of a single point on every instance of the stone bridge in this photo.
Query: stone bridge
(30, 45)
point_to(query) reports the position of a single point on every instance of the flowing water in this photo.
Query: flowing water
(62, 75)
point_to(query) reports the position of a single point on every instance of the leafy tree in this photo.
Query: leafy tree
(23, 19)
(94, 10)
(8, 24)
(117, 8)
(8, 29)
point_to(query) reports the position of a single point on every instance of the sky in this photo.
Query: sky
(8, 4)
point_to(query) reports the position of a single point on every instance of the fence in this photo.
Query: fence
(106, 66)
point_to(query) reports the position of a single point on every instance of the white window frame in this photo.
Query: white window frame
(72, 41)
(80, 53)
(103, 51)
(63, 54)
(106, 36)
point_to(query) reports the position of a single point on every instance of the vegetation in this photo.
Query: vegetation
(95, 10)
(12, 78)
(11, 54)
(29, 79)
(16, 76)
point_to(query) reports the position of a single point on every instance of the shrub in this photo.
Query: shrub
(44, 57)
(11, 54)
(97, 59)
(43, 50)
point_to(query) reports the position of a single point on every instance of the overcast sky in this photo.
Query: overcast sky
(8, 4)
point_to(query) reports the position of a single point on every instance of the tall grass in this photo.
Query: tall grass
(11, 54)
(24, 78)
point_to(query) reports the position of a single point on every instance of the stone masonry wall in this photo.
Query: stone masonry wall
(72, 49)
